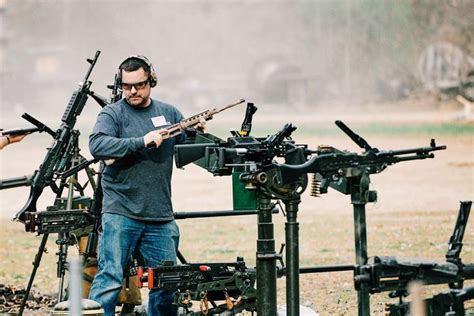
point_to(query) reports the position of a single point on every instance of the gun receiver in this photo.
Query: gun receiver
(58, 157)
(54, 220)
(217, 281)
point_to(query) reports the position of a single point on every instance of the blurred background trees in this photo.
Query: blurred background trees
(296, 53)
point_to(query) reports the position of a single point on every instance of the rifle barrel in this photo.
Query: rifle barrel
(222, 213)
(92, 62)
(230, 105)
(418, 151)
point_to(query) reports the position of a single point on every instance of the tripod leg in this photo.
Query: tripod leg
(36, 264)
(181, 257)
(62, 263)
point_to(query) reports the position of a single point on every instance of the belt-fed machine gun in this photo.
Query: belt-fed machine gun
(388, 273)
(231, 282)
(253, 159)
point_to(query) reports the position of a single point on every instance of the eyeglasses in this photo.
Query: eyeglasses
(137, 85)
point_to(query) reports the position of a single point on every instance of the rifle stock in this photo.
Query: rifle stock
(40, 127)
(20, 131)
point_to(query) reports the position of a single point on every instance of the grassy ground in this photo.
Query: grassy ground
(414, 217)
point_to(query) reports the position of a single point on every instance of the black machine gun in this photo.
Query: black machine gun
(441, 304)
(59, 155)
(383, 273)
(231, 282)
(333, 165)
(256, 160)
(250, 157)
(243, 153)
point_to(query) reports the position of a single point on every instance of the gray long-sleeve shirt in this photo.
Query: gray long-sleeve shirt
(138, 183)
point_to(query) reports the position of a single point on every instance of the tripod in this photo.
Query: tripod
(59, 209)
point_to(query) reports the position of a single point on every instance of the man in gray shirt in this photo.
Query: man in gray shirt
(137, 210)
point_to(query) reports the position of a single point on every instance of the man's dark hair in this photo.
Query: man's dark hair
(133, 64)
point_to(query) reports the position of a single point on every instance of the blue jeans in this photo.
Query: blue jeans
(156, 241)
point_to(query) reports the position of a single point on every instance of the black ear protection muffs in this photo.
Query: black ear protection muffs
(152, 77)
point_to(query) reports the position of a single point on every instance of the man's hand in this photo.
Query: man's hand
(153, 137)
(10, 139)
(201, 126)
(16, 138)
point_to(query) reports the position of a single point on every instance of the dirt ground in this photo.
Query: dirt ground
(414, 216)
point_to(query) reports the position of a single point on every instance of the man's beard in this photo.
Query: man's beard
(136, 101)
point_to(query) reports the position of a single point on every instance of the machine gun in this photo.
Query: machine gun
(242, 153)
(441, 304)
(231, 282)
(383, 273)
(59, 155)
(333, 165)
(255, 159)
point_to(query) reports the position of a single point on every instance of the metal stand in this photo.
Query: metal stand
(266, 260)
(292, 257)
(360, 196)
(36, 264)
(64, 239)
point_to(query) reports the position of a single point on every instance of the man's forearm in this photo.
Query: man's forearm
(107, 147)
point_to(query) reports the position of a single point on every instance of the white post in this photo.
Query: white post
(75, 286)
